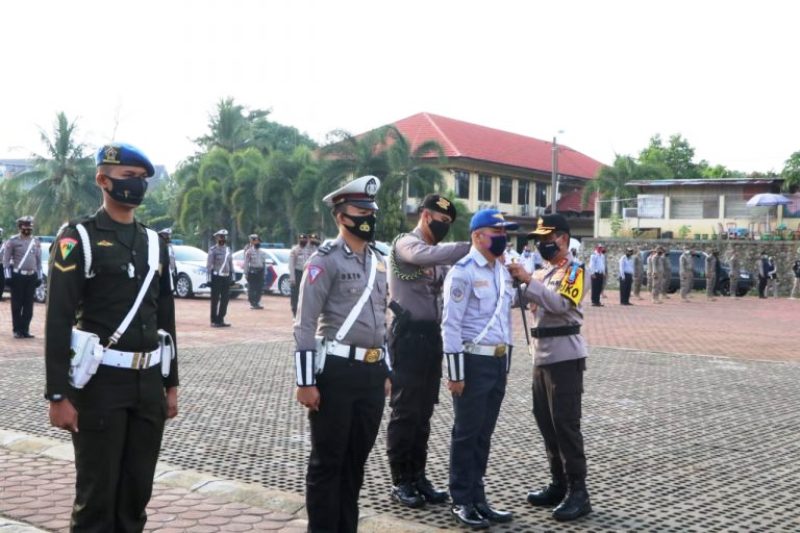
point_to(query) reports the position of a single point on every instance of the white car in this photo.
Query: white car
(190, 262)
(276, 276)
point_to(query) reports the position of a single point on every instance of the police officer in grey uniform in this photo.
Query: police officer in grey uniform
(298, 257)
(560, 352)
(686, 272)
(255, 264)
(166, 234)
(22, 262)
(343, 300)
(476, 332)
(416, 276)
(219, 272)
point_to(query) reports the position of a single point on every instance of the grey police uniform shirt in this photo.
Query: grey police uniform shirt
(471, 290)
(14, 251)
(254, 258)
(427, 265)
(298, 257)
(551, 309)
(216, 263)
(333, 281)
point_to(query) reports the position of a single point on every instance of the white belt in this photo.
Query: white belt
(367, 355)
(135, 360)
(25, 272)
(494, 350)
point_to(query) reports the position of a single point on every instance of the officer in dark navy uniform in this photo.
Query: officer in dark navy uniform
(117, 418)
(343, 381)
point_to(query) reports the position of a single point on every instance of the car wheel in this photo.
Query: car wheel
(742, 292)
(285, 286)
(183, 287)
(725, 287)
(40, 294)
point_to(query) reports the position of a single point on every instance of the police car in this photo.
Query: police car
(190, 262)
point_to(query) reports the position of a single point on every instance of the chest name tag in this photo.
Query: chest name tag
(572, 284)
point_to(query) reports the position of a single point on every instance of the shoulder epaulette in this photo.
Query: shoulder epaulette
(375, 249)
(327, 248)
(464, 261)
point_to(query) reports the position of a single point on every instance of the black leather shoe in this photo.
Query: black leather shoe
(575, 505)
(468, 516)
(223, 325)
(18, 335)
(429, 492)
(406, 494)
(548, 496)
(27, 335)
(493, 515)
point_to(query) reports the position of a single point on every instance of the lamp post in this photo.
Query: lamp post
(554, 177)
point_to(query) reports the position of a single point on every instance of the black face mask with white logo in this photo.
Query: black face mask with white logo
(129, 191)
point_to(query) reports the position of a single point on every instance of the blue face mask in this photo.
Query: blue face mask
(498, 246)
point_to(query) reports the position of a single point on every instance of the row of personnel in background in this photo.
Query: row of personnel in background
(449, 301)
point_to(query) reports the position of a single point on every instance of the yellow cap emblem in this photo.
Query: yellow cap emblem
(443, 203)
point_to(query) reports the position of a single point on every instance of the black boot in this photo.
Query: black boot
(467, 515)
(493, 515)
(576, 504)
(428, 491)
(405, 493)
(550, 495)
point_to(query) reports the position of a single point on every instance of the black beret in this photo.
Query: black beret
(440, 204)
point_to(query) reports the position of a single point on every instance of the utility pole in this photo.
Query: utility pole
(554, 184)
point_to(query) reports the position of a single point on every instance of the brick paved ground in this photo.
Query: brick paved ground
(675, 442)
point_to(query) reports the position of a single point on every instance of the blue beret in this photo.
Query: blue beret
(124, 154)
(490, 218)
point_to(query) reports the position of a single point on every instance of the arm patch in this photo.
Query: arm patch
(572, 284)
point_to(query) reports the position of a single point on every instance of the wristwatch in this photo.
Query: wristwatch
(56, 397)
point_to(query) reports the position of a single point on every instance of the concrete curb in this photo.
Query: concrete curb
(291, 506)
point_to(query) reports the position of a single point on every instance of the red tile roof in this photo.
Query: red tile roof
(462, 139)
(571, 202)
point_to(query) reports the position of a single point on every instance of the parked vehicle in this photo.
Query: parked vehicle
(190, 263)
(699, 283)
(276, 275)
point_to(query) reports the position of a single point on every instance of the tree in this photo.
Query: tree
(61, 185)
(611, 182)
(791, 173)
(677, 157)
(10, 197)
(230, 127)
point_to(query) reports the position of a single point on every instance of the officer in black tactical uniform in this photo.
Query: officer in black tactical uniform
(117, 418)
(416, 276)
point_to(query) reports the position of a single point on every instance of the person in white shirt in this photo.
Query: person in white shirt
(626, 277)
(528, 259)
(512, 255)
(597, 269)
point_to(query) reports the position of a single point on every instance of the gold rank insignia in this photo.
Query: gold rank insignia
(105, 243)
(443, 203)
(379, 266)
(63, 268)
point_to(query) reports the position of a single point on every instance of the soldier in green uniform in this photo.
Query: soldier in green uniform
(117, 418)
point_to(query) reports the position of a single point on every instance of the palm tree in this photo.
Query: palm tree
(231, 128)
(61, 185)
(791, 173)
(611, 182)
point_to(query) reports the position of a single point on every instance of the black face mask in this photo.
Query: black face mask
(26, 231)
(128, 191)
(547, 250)
(439, 229)
(303, 243)
(221, 242)
(363, 228)
(257, 245)
(498, 246)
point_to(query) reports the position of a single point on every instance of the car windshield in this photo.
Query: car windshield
(189, 253)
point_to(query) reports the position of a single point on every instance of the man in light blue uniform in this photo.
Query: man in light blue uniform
(476, 330)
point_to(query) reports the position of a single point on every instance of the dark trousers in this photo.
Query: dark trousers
(557, 390)
(255, 286)
(298, 276)
(121, 414)
(597, 287)
(343, 432)
(762, 286)
(625, 285)
(417, 371)
(476, 412)
(220, 294)
(22, 291)
(2, 282)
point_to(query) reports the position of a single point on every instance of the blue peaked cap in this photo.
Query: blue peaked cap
(124, 154)
(490, 218)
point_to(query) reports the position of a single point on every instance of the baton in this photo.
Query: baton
(522, 306)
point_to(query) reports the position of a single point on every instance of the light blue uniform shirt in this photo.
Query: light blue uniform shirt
(471, 289)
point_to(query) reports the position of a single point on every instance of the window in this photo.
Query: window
(506, 190)
(541, 195)
(523, 192)
(462, 184)
(484, 188)
(691, 204)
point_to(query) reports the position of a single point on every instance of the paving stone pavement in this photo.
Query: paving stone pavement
(675, 442)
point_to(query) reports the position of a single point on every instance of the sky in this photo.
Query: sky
(602, 76)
